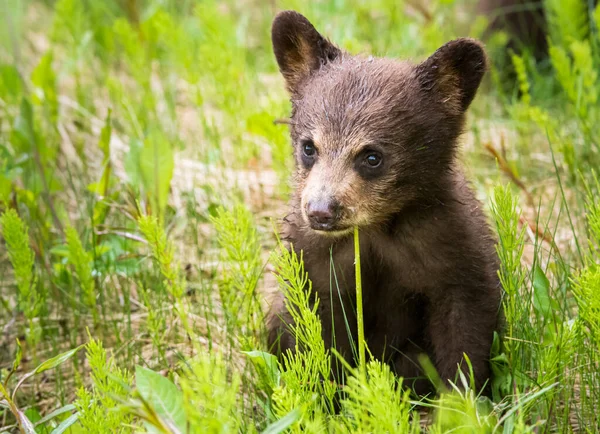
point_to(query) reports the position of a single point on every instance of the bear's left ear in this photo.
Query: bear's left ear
(454, 72)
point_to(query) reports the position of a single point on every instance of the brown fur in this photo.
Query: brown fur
(429, 267)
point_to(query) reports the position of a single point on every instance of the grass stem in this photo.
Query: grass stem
(359, 304)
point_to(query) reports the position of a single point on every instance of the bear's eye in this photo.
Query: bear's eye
(308, 148)
(373, 159)
(369, 164)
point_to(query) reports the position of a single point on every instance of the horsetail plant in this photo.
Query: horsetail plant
(22, 258)
(81, 260)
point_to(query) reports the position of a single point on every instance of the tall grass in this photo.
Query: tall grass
(140, 165)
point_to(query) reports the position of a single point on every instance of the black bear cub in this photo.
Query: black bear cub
(375, 147)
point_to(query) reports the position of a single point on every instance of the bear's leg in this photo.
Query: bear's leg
(460, 324)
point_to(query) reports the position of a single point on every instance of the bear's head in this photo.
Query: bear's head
(371, 135)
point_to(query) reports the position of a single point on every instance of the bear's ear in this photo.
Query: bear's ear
(299, 48)
(454, 72)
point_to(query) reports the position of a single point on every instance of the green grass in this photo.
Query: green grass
(140, 173)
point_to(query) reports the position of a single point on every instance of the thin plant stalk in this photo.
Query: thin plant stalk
(359, 304)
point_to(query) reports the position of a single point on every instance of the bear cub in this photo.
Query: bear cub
(375, 144)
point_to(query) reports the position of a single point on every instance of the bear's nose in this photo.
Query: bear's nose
(322, 214)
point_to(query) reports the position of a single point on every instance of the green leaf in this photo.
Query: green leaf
(284, 423)
(509, 425)
(501, 381)
(24, 423)
(65, 424)
(541, 291)
(64, 409)
(58, 360)
(34, 417)
(267, 366)
(162, 395)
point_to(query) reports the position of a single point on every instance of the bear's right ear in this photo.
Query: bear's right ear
(299, 48)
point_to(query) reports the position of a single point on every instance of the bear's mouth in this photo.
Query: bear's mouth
(332, 231)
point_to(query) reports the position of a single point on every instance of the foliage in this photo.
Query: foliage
(376, 404)
(210, 396)
(8, 401)
(241, 270)
(22, 259)
(587, 281)
(143, 143)
(304, 381)
(81, 263)
(97, 407)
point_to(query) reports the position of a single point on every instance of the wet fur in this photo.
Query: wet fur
(429, 267)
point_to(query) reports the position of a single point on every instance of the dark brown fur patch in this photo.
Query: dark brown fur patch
(428, 258)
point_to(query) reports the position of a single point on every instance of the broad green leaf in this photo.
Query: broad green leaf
(34, 417)
(284, 423)
(541, 291)
(501, 381)
(162, 394)
(267, 366)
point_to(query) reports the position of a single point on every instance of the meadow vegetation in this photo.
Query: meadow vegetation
(144, 164)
